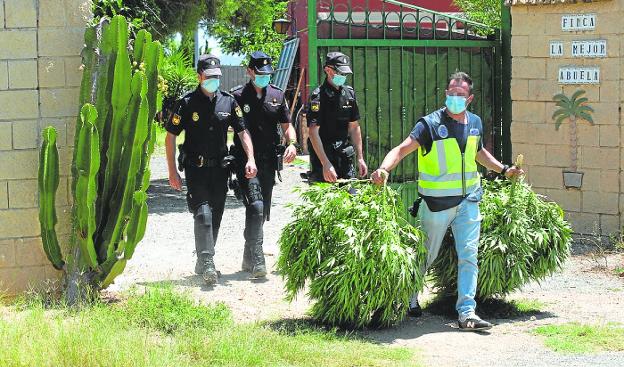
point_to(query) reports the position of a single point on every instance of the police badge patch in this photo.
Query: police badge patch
(238, 111)
(315, 107)
(175, 119)
(246, 108)
(195, 116)
(443, 131)
(474, 131)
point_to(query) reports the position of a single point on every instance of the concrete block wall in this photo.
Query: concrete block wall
(40, 45)
(598, 206)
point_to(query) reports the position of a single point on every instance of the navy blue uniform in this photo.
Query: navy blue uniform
(263, 114)
(205, 122)
(332, 110)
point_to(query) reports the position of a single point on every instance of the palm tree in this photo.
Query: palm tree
(572, 108)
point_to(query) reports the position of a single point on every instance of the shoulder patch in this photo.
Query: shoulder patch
(238, 87)
(315, 92)
(276, 87)
(443, 131)
(238, 111)
(175, 119)
(315, 106)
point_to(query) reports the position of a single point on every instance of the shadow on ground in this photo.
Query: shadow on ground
(162, 199)
(197, 281)
(495, 308)
(439, 317)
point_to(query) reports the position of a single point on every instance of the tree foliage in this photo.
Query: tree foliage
(244, 26)
(240, 26)
(483, 11)
(160, 17)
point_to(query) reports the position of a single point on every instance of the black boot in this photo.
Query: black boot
(199, 266)
(414, 309)
(247, 262)
(210, 272)
(259, 266)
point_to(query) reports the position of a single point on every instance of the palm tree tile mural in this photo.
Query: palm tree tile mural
(573, 109)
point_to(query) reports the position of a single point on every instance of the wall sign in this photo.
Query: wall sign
(556, 48)
(589, 48)
(579, 75)
(578, 22)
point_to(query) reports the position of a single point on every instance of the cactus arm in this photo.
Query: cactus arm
(48, 184)
(120, 98)
(88, 165)
(142, 39)
(136, 226)
(89, 62)
(153, 59)
(114, 271)
(121, 203)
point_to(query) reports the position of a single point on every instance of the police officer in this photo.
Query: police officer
(205, 115)
(333, 115)
(265, 110)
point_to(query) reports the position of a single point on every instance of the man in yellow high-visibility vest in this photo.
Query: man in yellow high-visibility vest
(450, 143)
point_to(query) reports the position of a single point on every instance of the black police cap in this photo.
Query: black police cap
(338, 61)
(261, 63)
(209, 65)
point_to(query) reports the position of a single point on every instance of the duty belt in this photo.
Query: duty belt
(199, 161)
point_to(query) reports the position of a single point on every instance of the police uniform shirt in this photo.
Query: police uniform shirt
(332, 110)
(422, 134)
(205, 122)
(262, 116)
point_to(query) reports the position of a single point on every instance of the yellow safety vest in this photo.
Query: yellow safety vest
(446, 171)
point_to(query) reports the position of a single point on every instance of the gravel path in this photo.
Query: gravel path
(579, 293)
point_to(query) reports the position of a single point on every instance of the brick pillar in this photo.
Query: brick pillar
(39, 79)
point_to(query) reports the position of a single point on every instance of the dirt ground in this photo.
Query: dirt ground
(579, 293)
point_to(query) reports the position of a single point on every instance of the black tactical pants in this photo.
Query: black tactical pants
(342, 164)
(257, 193)
(207, 189)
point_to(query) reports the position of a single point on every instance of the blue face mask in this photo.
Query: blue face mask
(262, 81)
(211, 85)
(339, 80)
(456, 104)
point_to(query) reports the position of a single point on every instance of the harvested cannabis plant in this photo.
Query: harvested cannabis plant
(359, 256)
(524, 238)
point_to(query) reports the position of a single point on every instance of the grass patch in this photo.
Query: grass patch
(619, 271)
(164, 328)
(166, 311)
(493, 308)
(580, 338)
(529, 306)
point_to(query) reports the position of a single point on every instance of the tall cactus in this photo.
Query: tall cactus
(48, 183)
(114, 140)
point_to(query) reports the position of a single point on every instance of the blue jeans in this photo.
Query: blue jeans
(465, 222)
